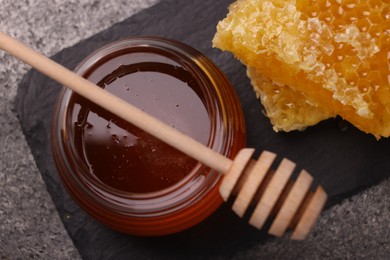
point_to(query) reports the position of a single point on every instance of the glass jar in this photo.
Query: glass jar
(176, 206)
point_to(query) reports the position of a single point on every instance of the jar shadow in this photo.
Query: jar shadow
(223, 234)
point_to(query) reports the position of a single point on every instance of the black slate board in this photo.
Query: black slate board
(340, 157)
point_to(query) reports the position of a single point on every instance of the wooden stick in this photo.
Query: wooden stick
(242, 170)
(116, 105)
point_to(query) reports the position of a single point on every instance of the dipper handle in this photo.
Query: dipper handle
(276, 198)
(115, 105)
(260, 186)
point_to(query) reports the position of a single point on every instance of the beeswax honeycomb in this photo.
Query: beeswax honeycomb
(335, 53)
(286, 108)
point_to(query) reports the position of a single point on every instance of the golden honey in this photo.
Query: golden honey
(335, 53)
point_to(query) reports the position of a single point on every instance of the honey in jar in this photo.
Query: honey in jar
(121, 175)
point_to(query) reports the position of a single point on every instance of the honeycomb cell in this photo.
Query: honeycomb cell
(376, 30)
(312, 11)
(339, 24)
(364, 86)
(363, 70)
(375, 65)
(383, 95)
(327, 60)
(352, 62)
(385, 39)
(343, 68)
(325, 17)
(363, 24)
(351, 78)
(362, 10)
(337, 11)
(374, 3)
(374, 79)
(323, 5)
(386, 13)
(375, 16)
(350, 17)
(342, 53)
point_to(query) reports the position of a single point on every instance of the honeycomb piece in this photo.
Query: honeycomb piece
(286, 108)
(335, 52)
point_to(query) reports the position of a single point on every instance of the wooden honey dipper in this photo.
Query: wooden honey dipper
(297, 206)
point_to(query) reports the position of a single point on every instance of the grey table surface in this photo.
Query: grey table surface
(30, 228)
